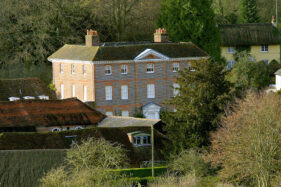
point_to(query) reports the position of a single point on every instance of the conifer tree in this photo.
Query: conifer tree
(202, 96)
(191, 20)
(249, 12)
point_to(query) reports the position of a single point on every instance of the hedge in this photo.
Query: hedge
(141, 172)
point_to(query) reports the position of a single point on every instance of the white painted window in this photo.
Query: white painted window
(264, 48)
(230, 64)
(124, 92)
(150, 91)
(124, 69)
(84, 70)
(85, 93)
(108, 70)
(109, 113)
(62, 91)
(176, 91)
(176, 67)
(125, 113)
(141, 140)
(150, 68)
(231, 50)
(73, 90)
(72, 69)
(43, 97)
(13, 98)
(28, 97)
(108, 93)
(61, 68)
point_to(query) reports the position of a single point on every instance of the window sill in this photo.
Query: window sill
(150, 72)
(108, 74)
(264, 51)
(175, 71)
(141, 145)
(124, 99)
(108, 99)
(124, 73)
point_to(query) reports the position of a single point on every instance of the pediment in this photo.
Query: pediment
(151, 54)
(151, 106)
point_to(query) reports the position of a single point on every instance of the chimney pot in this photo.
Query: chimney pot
(92, 38)
(161, 35)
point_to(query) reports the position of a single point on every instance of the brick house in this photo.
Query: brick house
(122, 78)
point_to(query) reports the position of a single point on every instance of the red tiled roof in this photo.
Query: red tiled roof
(45, 113)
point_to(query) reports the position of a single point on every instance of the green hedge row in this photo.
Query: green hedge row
(141, 172)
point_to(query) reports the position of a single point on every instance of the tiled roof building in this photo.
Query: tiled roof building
(121, 78)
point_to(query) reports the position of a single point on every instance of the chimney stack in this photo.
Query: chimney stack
(92, 38)
(161, 35)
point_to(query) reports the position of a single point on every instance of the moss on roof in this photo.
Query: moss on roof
(24, 87)
(249, 34)
(75, 52)
(126, 52)
(278, 72)
(117, 122)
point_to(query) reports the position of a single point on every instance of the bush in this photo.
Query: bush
(141, 172)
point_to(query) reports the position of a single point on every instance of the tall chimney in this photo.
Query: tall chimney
(92, 38)
(161, 35)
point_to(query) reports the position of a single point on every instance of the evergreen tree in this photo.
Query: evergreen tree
(203, 94)
(191, 20)
(249, 12)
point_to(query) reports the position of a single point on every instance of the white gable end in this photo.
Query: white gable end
(142, 56)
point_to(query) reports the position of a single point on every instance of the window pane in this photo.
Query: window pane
(150, 68)
(175, 89)
(176, 67)
(124, 69)
(108, 69)
(61, 68)
(134, 140)
(84, 69)
(150, 91)
(148, 140)
(109, 113)
(85, 93)
(108, 92)
(138, 140)
(145, 140)
(72, 69)
(124, 92)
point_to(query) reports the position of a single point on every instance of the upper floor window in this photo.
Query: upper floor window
(141, 140)
(264, 48)
(124, 69)
(125, 113)
(72, 69)
(150, 68)
(176, 67)
(61, 68)
(62, 91)
(176, 91)
(190, 67)
(150, 91)
(84, 69)
(124, 92)
(231, 50)
(230, 64)
(108, 93)
(108, 69)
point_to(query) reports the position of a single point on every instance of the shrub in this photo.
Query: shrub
(248, 145)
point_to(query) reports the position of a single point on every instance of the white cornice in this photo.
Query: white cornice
(69, 61)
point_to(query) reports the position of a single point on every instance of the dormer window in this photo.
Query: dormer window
(139, 138)
(231, 50)
(108, 70)
(150, 68)
(264, 48)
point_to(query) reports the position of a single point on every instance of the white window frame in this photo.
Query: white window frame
(108, 93)
(150, 91)
(264, 48)
(109, 113)
(139, 140)
(73, 91)
(230, 50)
(176, 91)
(124, 69)
(124, 92)
(61, 68)
(108, 69)
(72, 69)
(84, 70)
(85, 88)
(176, 66)
(62, 91)
(125, 113)
(150, 68)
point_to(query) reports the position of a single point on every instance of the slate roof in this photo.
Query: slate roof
(126, 52)
(118, 121)
(278, 72)
(24, 87)
(249, 34)
(46, 113)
